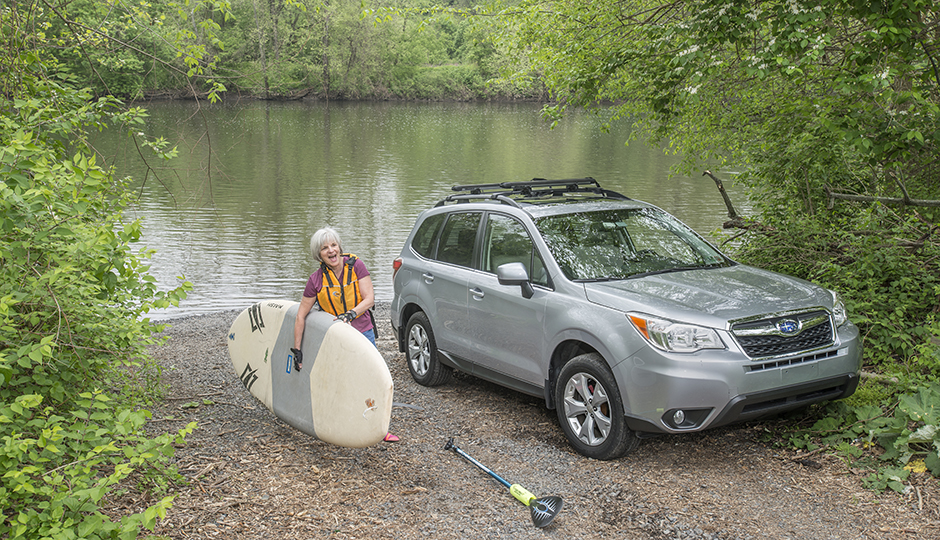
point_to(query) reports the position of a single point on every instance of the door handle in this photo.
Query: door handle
(428, 277)
(477, 293)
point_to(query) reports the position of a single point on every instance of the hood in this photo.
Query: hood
(710, 296)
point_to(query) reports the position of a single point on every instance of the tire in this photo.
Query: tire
(421, 353)
(590, 409)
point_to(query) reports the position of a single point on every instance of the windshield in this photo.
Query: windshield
(617, 244)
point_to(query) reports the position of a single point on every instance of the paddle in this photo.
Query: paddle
(544, 509)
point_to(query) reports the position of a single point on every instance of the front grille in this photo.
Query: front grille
(792, 361)
(762, 338)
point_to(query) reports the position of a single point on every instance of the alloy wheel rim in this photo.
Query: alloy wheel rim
(587, 409)
(418, 350)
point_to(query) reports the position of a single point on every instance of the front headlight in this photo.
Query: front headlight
(839, 313)
(672, 336)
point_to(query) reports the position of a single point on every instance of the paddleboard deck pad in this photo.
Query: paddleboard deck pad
(343, 393)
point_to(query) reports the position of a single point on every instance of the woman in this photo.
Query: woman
(342, 287)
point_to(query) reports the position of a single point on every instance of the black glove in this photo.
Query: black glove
(298, 358)
(347, 317)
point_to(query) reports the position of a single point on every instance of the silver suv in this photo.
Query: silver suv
(621, 317)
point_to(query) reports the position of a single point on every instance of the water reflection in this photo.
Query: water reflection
(253, 180)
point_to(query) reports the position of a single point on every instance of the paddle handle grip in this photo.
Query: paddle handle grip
(521, 493)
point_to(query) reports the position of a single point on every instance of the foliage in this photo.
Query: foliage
(91, 38)
(711, 74)
(122, 49)
(892, 441)
(890, 426)
(71, 288)
(279, 49)
(74, 295)
(61, 469)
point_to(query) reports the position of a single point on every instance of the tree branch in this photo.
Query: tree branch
(724, 195)
(904, 201)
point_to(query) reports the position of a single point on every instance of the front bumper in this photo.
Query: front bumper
(715, 388)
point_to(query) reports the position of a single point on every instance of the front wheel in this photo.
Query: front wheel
(421, 352)
(590, 409)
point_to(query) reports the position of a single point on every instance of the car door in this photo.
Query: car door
(508, 329)
(445, 282)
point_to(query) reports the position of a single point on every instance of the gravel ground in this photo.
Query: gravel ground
(251, 476)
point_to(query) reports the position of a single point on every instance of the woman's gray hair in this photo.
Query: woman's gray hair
(321, 237)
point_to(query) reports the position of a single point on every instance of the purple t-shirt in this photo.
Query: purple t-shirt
(363, 322)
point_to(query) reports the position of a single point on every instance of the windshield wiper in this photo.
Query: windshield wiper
(669, 270)
(599, 279)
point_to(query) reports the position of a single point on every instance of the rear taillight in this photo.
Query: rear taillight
(396, 264)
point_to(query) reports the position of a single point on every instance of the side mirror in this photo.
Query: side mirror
(514, 273)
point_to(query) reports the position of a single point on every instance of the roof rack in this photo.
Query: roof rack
(532, 191)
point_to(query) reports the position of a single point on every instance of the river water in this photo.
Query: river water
(234, 212)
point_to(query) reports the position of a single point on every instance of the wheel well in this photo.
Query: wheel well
(564, 352)
(406, 314)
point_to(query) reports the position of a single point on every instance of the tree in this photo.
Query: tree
(830, 109)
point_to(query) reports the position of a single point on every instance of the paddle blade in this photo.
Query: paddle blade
(544, 510)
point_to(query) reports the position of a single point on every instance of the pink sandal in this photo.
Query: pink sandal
(391, 438)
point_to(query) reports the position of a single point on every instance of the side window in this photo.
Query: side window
(507, 241)
(539, 274)
(458, 237)
(423, 242)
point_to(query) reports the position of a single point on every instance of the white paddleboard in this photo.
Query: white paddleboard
(343, 393)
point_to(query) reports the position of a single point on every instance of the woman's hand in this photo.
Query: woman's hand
(298, 358)
(347, 317)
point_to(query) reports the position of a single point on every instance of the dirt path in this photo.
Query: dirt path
(251, 476)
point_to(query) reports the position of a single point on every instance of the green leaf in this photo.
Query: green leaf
(932, 462)
(926, 434)
(90, 524)
(922, 406)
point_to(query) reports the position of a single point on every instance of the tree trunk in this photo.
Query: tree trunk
(264, 64)
(274, 9)
(326, 50)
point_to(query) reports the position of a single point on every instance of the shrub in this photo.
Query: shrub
(73, 302)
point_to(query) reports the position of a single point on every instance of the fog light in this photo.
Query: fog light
(685, 419)
(678, 418)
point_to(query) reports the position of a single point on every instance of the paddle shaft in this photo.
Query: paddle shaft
(485, 469)
(517, 491)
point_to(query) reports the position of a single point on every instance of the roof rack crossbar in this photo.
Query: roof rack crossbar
(477, 189)
(540, 182)
(535, 188)
(478, 196)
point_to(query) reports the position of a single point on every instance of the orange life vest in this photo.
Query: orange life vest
(338, 297)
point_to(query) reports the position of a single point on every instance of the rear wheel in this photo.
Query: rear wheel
(590, 409)
(421, 352)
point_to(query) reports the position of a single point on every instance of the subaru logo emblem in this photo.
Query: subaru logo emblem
(788, 327)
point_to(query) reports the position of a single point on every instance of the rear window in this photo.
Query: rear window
(458, 237)
(423, 242)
